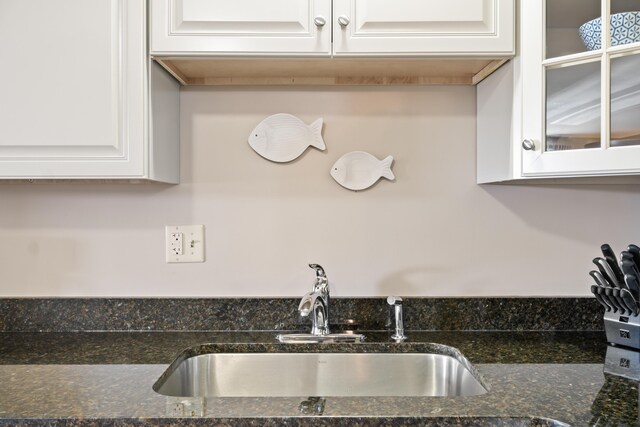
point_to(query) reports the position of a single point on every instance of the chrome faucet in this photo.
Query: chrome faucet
(315, 304)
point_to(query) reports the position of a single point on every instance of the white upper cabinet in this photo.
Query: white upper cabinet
(304, 27)
(423, 27)
(289, 42)
(233, 27)
(570, 99)
(76, 99)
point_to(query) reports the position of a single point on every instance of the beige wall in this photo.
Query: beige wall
(433, 232)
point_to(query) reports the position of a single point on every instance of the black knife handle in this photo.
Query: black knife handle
(633, 284)
(626, 255)
(629, 300)
(629, 268)
(610, 256)
(604, 292)
(635, 251)
(599, 278)
(594, 291)
(606, 271)
(623, 305)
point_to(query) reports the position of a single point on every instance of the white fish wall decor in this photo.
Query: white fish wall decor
(283, 137)
(359, 170)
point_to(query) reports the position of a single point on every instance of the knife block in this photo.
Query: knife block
(622, 330)
(622, 362)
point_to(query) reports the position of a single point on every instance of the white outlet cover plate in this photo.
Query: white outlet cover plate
(192, 243)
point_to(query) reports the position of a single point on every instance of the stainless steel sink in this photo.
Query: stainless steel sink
(319, 374)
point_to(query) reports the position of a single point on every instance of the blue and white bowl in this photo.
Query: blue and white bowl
(625, 29)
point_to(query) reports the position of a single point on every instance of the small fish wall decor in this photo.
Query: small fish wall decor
(359, 170)
(283, 137)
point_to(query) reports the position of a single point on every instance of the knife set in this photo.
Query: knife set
(617, 288)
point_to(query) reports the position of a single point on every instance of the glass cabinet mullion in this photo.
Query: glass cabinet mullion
(605, 101)
(605, 22)
(623, 61)
(605, 84)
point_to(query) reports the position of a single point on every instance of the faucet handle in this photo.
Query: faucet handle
(393, 300)
(322, 284)
(319, 270)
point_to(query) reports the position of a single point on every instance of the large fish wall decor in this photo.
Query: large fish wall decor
(283, 137)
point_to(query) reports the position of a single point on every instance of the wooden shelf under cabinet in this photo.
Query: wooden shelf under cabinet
(336, 71)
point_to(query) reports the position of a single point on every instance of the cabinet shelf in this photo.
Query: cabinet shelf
(326, 71)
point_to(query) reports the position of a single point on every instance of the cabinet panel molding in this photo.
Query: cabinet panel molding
(78, 102)
(424, 27)
(240, 27)
(241, 18)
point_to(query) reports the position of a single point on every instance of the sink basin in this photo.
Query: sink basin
(319, 374)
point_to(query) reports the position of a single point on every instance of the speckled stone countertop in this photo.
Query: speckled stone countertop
(105, 378)
(92, 362)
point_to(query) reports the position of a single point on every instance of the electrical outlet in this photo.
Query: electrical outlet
(175, 243)
(184, 243)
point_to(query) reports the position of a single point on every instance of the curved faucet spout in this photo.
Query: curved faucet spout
(306, 305)
(314, 306)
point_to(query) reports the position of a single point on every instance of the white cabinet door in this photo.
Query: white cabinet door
(241, 27)
(73, 97)
(565, 107)
(424, 27)
(80, 98)
(580, 103)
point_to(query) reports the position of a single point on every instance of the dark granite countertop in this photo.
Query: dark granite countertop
(105, 378)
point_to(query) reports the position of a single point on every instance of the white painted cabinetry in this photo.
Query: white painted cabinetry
(80, 97)
(304, 27)
(291, 42)
(233, 27)
(562, 108)
(423, 27)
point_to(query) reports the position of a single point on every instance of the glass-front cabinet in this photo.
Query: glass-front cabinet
(580, 87)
